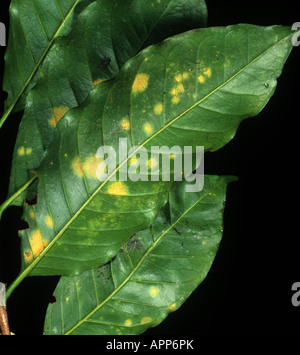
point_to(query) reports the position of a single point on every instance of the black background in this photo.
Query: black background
(248, 289)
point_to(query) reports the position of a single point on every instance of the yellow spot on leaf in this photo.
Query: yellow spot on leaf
(140, 83)
(133, 161)
(175, 100)
(203, 242)
(128, 323)
(90, 166)
(118, 188)
(49, 222)
(52, 122)
(201, 79)
(148, 128)
(178, 90)
(152, 163)
(31, 214)
(146, 320)
(97, 82)
(207, 72)
(77, 167)
(185, 75)
(21, 151)
(158, 109)
(28, 151)
(125, 124)
(58, 113)
(181, 77)
(154, 291)
(172, 307)
(36, 243)
(28, 256)
(178, 78)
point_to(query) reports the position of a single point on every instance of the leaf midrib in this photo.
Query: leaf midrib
(73, 218)
(141, 261)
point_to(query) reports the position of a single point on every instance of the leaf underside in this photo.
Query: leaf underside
(194, 89)
(152, 275)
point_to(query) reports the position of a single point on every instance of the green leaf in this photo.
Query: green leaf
(34, 26)
(152, 275)
(193, 90)
(75, 64)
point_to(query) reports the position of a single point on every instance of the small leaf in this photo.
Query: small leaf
(152, 275)
(34, 26)
(75, 64)
(193, 90)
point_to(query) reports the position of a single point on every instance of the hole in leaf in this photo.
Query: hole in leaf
(105, 61)
(22, 224)
(53, 299)
(32, 201)
(4, 95)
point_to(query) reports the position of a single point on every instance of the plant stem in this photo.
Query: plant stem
(4, 326)
(7, 113)
(7, 203)
(4, 117)
(16, 283)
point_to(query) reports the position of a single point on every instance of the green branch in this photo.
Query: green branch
(9, 201)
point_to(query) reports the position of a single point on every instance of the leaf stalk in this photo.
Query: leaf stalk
(9, 201)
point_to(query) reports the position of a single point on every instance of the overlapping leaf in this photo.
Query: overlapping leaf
(105, 36)
(34, 26)
(194, 89)
(152, 275)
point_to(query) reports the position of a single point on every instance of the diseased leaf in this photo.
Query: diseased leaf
(105, 36)
(151, 276)
(34, 26)
(193, 90)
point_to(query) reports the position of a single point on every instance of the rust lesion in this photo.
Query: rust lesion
(28, 256)
(36, 243)
(77, 167)
(140, 83)
(58, 113)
